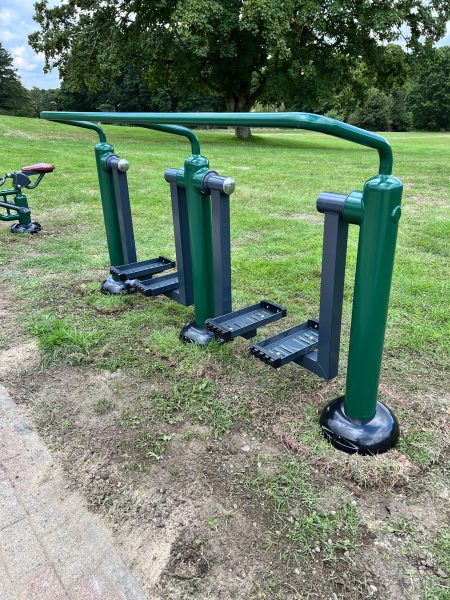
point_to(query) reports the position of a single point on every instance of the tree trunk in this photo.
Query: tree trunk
(240, 104)
(243, 133)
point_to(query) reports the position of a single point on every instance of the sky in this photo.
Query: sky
(16, 22)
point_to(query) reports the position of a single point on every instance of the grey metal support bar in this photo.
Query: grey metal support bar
(220, 189)
(220, 216)
(185, 292)
(325, 361)
(119, 167)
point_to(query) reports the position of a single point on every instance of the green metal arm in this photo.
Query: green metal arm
(291, 120)
(176, 130)
(84, 125)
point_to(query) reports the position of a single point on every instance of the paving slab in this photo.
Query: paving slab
(51, 546)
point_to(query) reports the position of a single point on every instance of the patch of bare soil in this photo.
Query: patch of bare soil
(183, 523)
(21, 357)
(180, 511)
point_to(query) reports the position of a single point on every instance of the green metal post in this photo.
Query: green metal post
(376, 249)
(21, 200)
(199, 213)
(110, 216)
(357, 422)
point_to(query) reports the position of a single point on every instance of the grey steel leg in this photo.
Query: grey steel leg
(185, 292)
(325, 361)
(220, 208)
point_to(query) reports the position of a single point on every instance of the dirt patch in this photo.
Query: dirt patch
(188, 524)
(18, 358)
(182, 503)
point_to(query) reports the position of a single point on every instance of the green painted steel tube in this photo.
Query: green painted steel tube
(200, 233)
(380, 208)
(21, 200)
(85, 125)
(110, 215)
(177, 130)
(293, 120)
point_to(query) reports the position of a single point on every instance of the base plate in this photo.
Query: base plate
(375, 436)
(32, 227)
(116, 288)
(191, 333)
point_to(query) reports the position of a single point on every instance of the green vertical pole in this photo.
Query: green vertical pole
(200, 233)
(21, 200)
(375, 262)
(357, 422)
(110, 216)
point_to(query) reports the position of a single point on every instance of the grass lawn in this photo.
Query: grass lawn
(205, 461)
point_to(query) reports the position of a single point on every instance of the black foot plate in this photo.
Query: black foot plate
(364, 437)
(145, 268)
(288, 345)
(158, 285)
(246, 321)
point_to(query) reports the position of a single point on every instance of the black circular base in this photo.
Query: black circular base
(112, 287)
(193, 334)
(32, 227)
(375, 436)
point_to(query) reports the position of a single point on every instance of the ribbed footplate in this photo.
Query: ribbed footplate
(145, 268)
(158, 285)
(245, 321)
(288, 345)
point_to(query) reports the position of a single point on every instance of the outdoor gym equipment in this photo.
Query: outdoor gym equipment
(19, 204)
(355, 422)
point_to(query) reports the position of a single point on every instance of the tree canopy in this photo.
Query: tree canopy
(14, 98)
(430, 94)
(241, 49)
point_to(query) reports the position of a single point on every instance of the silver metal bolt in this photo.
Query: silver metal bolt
(229, 185)
(123, 165)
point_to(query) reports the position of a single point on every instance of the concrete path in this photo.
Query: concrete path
(51, 547)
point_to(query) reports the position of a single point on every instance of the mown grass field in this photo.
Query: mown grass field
(113, 381)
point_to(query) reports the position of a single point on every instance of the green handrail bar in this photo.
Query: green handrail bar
(85, 125)
(177, 130)
(290, 120)
(174, 129)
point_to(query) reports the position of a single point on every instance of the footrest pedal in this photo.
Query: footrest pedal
(145, 268)
(288, 345)
(158, 285)
(246, 321)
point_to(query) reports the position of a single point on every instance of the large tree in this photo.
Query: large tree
(241, 49)
(430, 93)
(14, 98)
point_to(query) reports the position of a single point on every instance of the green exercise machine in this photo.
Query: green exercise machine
(354, 422)
(16, 208)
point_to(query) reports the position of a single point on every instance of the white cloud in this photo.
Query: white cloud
(25, 59)
(9, 36)
(7, 15)
(446, 39)
(16, 25)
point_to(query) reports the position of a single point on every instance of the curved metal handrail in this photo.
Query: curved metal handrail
(290, 120)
